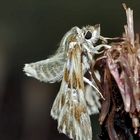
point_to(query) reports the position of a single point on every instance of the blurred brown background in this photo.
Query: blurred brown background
(30, 30)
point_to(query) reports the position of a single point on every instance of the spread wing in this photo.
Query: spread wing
(49, 70)
(70, 107)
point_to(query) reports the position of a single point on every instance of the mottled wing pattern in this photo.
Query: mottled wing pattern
(70, 107)
(49, 70)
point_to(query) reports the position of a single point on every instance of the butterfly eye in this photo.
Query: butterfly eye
(88, 35)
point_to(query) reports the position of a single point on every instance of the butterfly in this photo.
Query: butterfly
(77, 97)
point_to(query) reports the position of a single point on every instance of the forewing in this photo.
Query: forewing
(70, 107)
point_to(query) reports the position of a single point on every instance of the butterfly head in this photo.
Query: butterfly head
(91, 33)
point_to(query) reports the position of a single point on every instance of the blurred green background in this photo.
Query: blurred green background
(30, 30)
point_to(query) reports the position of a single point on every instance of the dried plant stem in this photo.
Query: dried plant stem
(120, 112)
